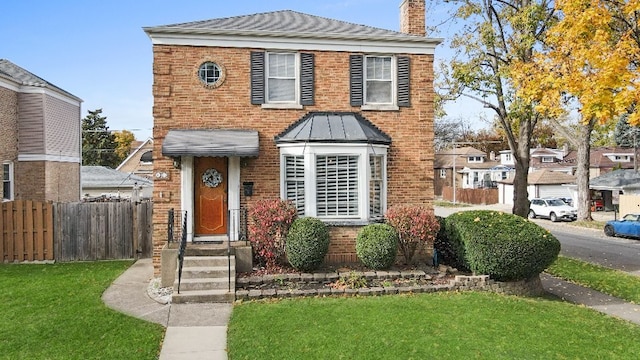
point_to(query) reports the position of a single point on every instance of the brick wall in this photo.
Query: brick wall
(181, 101)
(30, 180)
(8, 127)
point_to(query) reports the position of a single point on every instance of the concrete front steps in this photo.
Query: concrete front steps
(205, 279)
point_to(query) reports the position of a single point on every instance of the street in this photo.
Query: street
(590, 245)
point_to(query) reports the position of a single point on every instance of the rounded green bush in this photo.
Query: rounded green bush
(377, 246)
(307, 243)
(504, 246)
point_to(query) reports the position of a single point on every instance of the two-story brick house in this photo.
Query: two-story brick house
(336, 117)
(40, 138)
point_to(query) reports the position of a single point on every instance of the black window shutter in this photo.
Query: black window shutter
(307, 80)
(403, 81)
(257, 77)
(356, 78)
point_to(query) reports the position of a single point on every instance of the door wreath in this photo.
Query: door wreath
(211, 178)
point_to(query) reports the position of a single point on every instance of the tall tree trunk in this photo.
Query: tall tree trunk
(520, 180)
(583, 202)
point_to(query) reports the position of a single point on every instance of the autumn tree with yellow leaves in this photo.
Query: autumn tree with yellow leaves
(588, 65)
(496, 35)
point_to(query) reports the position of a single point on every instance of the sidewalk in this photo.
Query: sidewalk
(199, 331)
(194, 331)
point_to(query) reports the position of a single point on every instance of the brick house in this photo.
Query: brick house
(40, 143)
(334, 116)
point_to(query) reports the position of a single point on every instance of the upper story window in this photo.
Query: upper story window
(211, 74)
(507, 157)
(622, 158)
(147, 158)
(379, 82)
(281, 77)
(7, 181)
(474, 159)
(547, 159)
(282, 80)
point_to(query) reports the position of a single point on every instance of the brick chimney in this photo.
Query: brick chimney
(412, 17)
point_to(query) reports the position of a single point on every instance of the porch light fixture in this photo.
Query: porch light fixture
(176, 162)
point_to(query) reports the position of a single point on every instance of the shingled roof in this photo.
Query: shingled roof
(284, 22)
(546, 177)
(23, 77)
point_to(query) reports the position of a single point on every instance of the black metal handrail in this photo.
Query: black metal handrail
(170, 226)
(183, 247)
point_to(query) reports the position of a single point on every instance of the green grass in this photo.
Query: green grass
(449, 204)
(609, 281)
(427, 326)
(589, 224)
(56, 312)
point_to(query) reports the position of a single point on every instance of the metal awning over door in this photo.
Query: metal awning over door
(211, 142)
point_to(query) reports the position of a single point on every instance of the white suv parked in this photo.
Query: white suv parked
(552, 208)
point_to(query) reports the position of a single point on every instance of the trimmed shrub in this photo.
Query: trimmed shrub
(307, 243)
(377, 246)
(416, 226)
(504, 246)
(269, 222)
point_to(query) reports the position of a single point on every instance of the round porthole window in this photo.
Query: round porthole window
(211, 74)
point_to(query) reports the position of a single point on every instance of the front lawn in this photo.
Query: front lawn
(427, 326)
(56, 312)
(609, 281)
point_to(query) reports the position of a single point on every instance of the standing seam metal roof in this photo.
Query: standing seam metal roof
(333, 127)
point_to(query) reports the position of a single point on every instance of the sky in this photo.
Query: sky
(97, 50)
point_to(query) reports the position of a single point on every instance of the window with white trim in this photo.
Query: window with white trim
(375, 186)
(294, 181)
(443, 173)
(282, 80)
(281, 76)
(378, 80)
(335, 182)
(336, 185)
(474, 159)
(547, 159)
(7, 181)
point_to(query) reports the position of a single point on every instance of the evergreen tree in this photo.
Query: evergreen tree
(98, 143)
(626, 135)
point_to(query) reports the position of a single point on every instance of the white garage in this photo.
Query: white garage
(541, 183)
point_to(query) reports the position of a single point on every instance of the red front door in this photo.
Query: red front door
(210, 210)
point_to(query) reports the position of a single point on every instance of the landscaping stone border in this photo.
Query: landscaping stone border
(531, 287)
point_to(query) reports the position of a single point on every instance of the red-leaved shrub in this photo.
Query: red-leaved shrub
(416, 227)
(269, 222)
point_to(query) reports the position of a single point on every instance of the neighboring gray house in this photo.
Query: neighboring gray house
(102, 182)
(40, 138)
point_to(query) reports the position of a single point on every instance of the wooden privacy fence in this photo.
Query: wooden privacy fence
(75, 231)
(471, 196)
(26, 231)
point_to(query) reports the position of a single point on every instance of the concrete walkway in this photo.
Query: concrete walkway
(194, 331)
